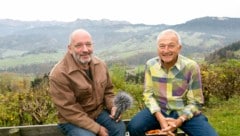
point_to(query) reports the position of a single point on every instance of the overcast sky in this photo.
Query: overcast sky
(134, 11)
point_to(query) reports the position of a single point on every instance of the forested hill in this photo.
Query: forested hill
(227, 27)
(22, 35)
(28, 42)
(231, 51)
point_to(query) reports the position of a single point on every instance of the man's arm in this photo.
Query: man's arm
(194, 96)
(148, 98)
(150, 101)
(108, 92)
(65, 101)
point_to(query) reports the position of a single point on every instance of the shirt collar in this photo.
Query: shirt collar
(177, 64)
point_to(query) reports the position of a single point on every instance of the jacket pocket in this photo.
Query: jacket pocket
(83, 94)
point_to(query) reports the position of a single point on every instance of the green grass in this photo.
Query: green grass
(11, 53)
(29, 59)
(225, 116)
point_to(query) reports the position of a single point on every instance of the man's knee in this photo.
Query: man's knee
(73, 130)
(134, 128)
(119, 129)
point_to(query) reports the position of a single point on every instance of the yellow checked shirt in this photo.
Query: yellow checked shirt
(178, 89)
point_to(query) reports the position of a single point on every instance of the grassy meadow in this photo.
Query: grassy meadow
(225, 116)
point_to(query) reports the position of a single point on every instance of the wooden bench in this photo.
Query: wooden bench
(42, 130)
(31, 130)
(35, 130)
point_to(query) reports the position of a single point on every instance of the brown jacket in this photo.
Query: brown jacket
(78, 99)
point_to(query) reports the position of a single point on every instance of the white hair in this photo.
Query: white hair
(170, 31)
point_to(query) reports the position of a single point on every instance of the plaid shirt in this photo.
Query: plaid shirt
(179, 88)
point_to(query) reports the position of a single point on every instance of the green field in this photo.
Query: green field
(225, 116)
(14, 61)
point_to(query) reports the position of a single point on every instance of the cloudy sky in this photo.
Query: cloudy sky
(135, 11)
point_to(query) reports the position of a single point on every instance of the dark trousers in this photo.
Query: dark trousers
(145, 121)
(114, 128)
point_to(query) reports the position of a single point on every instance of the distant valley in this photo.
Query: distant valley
(25, 43)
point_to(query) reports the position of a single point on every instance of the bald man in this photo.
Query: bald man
(82, 91)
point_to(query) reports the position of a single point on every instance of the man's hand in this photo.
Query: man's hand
(103, 131)
(167, 127)
(113, 111)
(173, 124)
(164, 123)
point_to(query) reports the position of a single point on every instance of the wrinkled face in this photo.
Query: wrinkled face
(168, 48)
(81, 47)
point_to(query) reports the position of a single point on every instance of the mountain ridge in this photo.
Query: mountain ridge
(115, 40)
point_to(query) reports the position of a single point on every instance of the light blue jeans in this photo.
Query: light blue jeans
(114, 128)
(144, 121)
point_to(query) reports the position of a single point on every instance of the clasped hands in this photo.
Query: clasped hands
(169, 125)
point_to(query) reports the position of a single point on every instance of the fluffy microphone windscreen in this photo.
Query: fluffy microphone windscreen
(122, 101)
